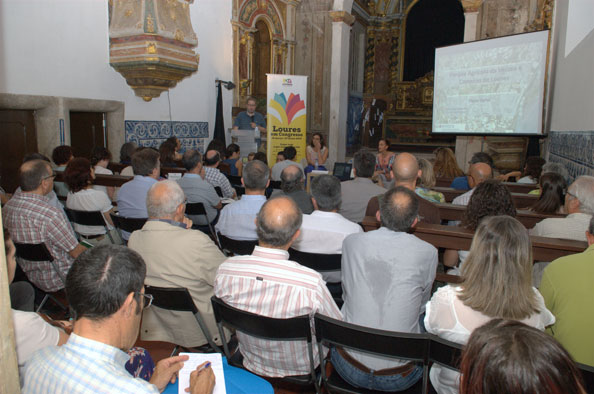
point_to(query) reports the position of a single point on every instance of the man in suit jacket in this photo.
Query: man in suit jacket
(176, 256)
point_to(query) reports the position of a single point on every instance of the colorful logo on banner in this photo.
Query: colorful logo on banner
(287, 109)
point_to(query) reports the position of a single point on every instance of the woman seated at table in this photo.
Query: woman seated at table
(497, 283)
(495, 360)
(79, 177)
(426, 182)
(316, 153)
(490, 198)
(552, 194)
(232, 155)
(384, 161)
(445, 165)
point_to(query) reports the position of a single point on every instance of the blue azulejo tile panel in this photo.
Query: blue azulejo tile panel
(192, 135)
(573, 149)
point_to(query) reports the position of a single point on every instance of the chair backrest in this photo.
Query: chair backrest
(179, 299)
(196, 208)
(445, 352)
(127, 224)
(275, 184)
(292, 329)
(219, 191)
(85, 218)
(236, 247)
(33, 252)
(316, 261)
(234, 180)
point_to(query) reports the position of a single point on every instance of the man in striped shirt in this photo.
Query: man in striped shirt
(267, 283)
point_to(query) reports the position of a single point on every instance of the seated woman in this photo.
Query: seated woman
(316, 153)
(506, 356)
(490, 198)
(61, 155)
(100, 158)
(233, 159)
(426, 182)
(126, 152)
(177, 144)
(384, 161)
(531, 173)
(445, 165)
(497, 283)
(79, 177)
(167, 154)
(552, 194)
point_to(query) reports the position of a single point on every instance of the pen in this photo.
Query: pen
(207, 365)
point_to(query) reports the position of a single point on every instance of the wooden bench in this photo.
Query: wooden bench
(520, 200)
(512, 186)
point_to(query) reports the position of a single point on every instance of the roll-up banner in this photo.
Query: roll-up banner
(287, 109)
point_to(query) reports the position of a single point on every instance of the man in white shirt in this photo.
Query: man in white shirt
(324, 230)
(478, 173)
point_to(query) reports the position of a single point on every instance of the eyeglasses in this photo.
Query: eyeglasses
(570, 194)
(53, 175)
(148, 299)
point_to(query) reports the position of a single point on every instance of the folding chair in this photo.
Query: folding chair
(88, 218)
(444, 352)
(197, 209)
(38, 253)
(321, 263)
(179, 299)
(292, 329)
(396, 345)
(219, 191)
(236, 247)
(122, 223)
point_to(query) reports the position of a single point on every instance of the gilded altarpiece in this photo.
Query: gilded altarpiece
(279, 19)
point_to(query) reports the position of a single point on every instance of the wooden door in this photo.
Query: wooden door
(18, 138)
(86, 132)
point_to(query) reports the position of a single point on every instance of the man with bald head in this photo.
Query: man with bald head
(213, 175)
(30, 218)
(292, 182)
(478, 173)
(176, 256)
(267, 282)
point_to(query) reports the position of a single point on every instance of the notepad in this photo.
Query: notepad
(195, 360)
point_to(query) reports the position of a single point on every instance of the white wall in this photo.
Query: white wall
(61, 48)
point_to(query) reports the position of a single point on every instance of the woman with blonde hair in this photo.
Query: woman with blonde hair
(496, 283)
(445, 165)
(426, 182)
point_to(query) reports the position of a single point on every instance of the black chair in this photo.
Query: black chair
(198, 209)
(275, 184)
(588, 377)
(413, 347)
(38, 253)
(234, 180)
(179, 299)
(235, 247)
(219, 191)
(88, 218)
(321, 263)
(444, 352)
(293, 329)
(130, 225)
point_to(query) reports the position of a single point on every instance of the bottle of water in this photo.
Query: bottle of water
(316, 164)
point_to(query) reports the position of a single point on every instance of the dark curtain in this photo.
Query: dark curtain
(219, 128)
(430, 24)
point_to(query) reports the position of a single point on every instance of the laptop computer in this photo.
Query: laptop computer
(342, 171)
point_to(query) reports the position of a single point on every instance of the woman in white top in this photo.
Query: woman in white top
(497, 283)
(317, 154)
(100, 159)
(79, 176)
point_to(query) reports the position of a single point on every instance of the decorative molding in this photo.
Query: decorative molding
(574, 150)
(471, 5)
(192, 135)
(342, 16)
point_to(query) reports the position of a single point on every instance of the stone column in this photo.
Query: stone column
(339, 84)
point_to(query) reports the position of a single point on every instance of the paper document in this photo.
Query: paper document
(195, 360)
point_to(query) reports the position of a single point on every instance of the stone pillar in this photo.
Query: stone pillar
(339, 84)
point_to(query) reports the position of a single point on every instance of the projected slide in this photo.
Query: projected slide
(491, 87)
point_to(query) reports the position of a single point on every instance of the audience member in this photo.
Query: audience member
(280, 156)
(384, 160)
(219, 146)
(197, 189)
(106, 293)
(262, 157)
(30, 218)
(491, 198)
(387, 276)
(233, 159)
(579, 205)
(79, 177)
(176, 256)
(52, 196)
(177, 144)
(167, 154)
(251, 156)
(506, 356)
(463, 182)
(531, 173)
(325, 229)
(496, 284)
(568, 292)
(357, 192)
(290, 153)
(237, 220)
(212, 175)
(266, 282)
(445, 165)
(100, 158)
(552, 189)
(316, 154)
(557, 168)
(292, 183)
(478, 173)
(426, 181)
(126, 152)
(132, 194)
(61, 155)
